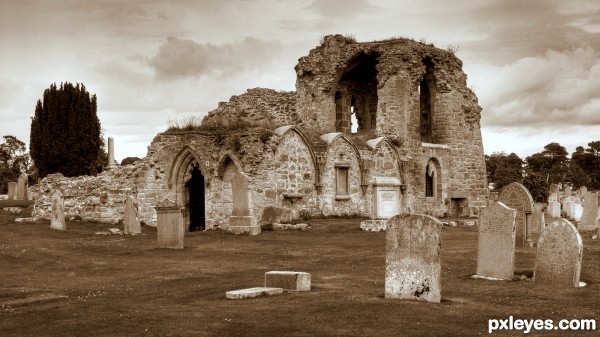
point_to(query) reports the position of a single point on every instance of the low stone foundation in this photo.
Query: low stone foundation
(374, 225)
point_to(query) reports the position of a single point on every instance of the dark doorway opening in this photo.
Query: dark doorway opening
(195, 192)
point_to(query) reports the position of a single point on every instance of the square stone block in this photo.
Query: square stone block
(290, 280)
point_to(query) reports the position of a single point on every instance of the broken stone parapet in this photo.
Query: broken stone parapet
(252, 292)
(289, 280)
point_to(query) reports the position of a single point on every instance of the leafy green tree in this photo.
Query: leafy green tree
(14, 159)
(588, 161)
(65, 132)
(551, 164)
(537, 186)
(503, 169)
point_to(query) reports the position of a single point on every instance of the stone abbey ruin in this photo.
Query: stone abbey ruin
(373, 129)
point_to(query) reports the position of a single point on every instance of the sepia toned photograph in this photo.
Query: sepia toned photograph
(299, 168)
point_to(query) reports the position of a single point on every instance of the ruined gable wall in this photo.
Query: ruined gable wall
(341, 151)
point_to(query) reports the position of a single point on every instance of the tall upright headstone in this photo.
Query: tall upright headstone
(413, 258)
(559, 253)
(538, 219)
(169, 225)
(590, 211)
(131, 222)
(57, 211)
(516, 196)
(12, 190)
(111, 152)
(242, 219)
(568, 191)
(22, 187)
(496, 243)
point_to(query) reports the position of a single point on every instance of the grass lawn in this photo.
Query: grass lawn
(76, 283)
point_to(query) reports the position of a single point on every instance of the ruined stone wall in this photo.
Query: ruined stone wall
(258, 106)
(401, 66)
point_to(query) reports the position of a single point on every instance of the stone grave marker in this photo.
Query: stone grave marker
(413, 258)
(57, 212)
(590, 211)
(516, 196)
(22, 187)
(559, 253)
(131, 222)
(169, 225)
(568, 191)
(496, 243)
(538, 219)
(242, 219)
(289, 280)
(12, 190)
(553, 194)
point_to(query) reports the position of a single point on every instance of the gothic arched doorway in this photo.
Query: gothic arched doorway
(194, 191)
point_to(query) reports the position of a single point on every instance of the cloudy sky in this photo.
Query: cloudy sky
(534, 64)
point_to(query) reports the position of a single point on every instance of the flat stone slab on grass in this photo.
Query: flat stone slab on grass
(289, 280)
(252, 292)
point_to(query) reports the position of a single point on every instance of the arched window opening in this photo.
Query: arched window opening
(426, 91)
(429, 182)
(356, 97)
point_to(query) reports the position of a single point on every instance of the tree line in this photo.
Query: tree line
(550, 166)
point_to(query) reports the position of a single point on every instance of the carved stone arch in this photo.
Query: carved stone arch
(381, 141)
(182, 160)
(228, 157)
(352, 145)
(282, 131)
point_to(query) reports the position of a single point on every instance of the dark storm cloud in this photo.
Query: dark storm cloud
(178, 58)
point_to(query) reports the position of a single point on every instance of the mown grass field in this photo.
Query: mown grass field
(77, 283)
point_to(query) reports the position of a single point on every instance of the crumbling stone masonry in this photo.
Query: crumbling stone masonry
(395, 111)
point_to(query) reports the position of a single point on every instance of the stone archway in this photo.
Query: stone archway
(517, 196)
(188, 182)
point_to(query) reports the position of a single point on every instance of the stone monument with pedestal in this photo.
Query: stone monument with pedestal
(242, 219)
(386, 196)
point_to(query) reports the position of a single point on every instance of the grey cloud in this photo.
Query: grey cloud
(341, 9)
(178, 58)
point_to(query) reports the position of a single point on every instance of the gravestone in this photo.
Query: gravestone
(387, 197)
(590, 211)
(554, 209)
(22, 187)
(169, 225)
(57, 212)
(559, 253)
(538, 219)
(496, 243)
(131, 223)
(12, 190)
(413, 258)
(553, 193)
(289, 280)
(516, 196)
(568, 191)
(581, 192)
(242, 219)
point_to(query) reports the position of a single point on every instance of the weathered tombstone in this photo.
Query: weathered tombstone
(496, 243)
(581, 192)
(553, 194)
(568, 191)
(22, 187)
(169, 225)
(242, 219)
(554, 209)
(516, 196)
(539, 222)
(12, 190)
(57, 211)
(131, 222)
(590, 211)
(413, 258)
(559, 253)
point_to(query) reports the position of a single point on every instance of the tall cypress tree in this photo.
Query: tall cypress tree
(65, 132)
